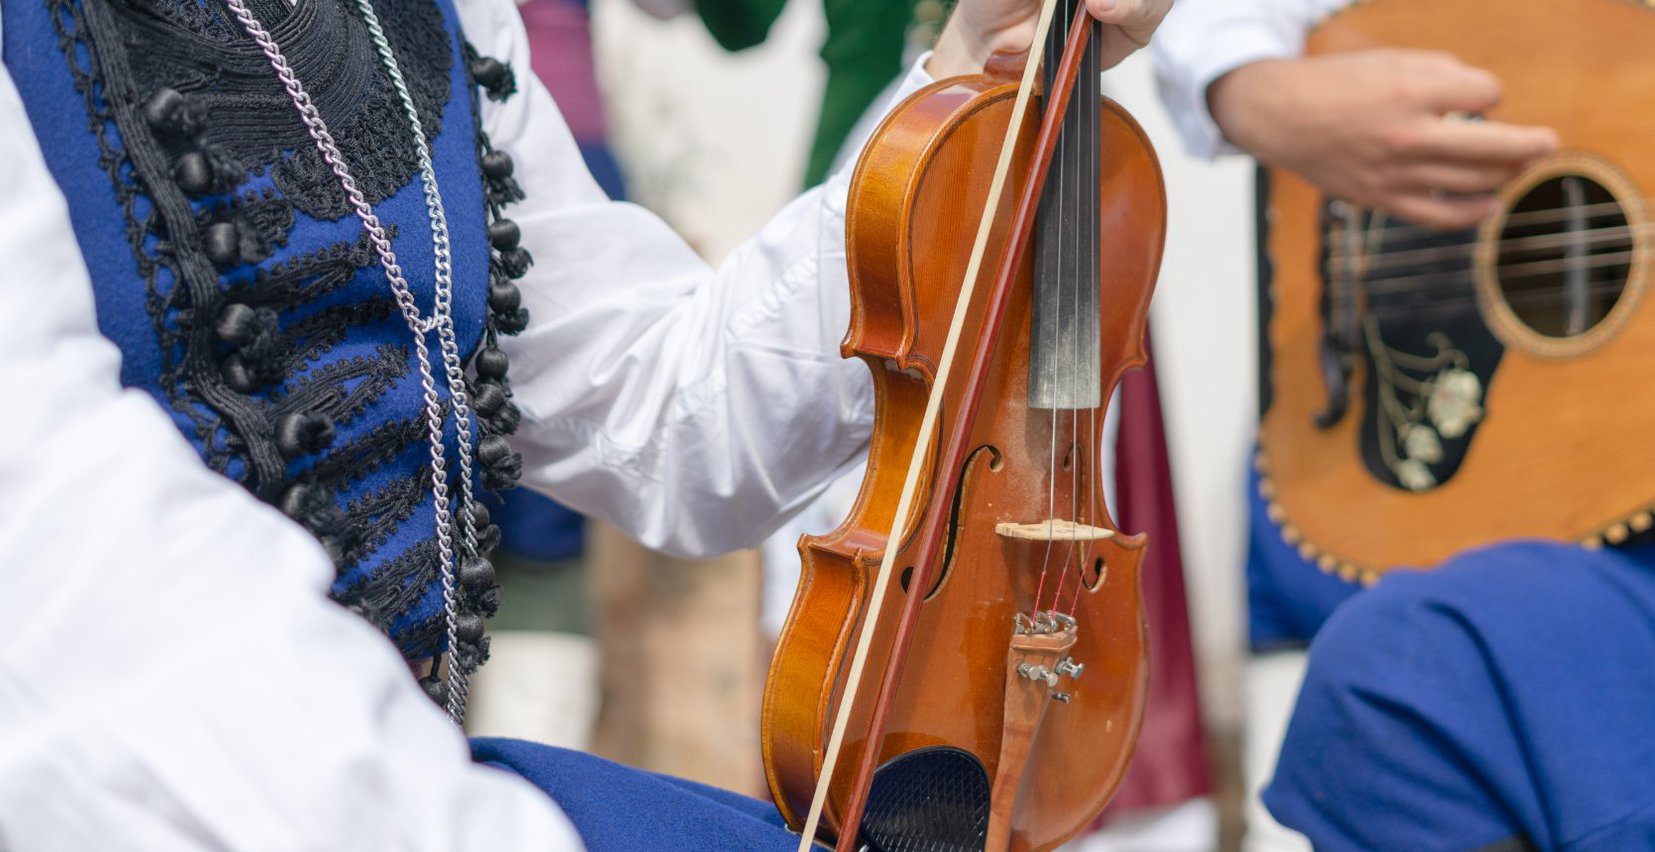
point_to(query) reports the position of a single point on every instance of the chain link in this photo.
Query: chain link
(441, 320)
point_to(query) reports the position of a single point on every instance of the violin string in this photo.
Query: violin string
(1091, 117)
(1067, 286)
(1077, 158)
(1087, 202)
(1051, 480)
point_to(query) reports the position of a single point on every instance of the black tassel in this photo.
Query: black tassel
(256, 335)
(225, 170)
(488, 397)
(486, 601)
(193, 174)
(511, 322)
(473, 656)
(494, 76)
(222, 243)
(506, 420)
(174, 118)
(476, 574)
(303, 432)
(488, 537)
(492, 363)
(502, 466)
(504, 234)
(515, 264)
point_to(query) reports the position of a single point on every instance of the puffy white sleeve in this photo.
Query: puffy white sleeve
(172, 674)
(1202, 40)
(696, 408)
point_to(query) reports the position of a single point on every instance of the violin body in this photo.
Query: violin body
(912, 215)
(1552, 440)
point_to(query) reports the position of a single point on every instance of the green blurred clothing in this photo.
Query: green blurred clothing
(864, 48)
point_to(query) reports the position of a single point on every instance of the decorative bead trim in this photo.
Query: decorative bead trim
(1614, 533)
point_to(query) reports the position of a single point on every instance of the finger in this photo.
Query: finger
(1452, 86)
(1132, 23)
(1443, 212)
(1485, 142)
(1138, 17)
(1461, 178)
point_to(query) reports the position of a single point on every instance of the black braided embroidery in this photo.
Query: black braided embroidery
(185, 111)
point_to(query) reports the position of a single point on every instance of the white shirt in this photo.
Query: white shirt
(172, 676)
(1202, 40)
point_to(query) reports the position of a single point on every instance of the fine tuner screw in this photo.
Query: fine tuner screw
(1034, 672)
(1069, 668)
(1062, 696)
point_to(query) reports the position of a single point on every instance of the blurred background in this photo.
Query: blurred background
(714, 113)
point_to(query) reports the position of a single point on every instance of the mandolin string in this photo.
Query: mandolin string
(1537, 215)
(1425, 282)
(1389, 311)
(1612, 235)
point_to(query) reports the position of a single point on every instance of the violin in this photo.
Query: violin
(993, 703)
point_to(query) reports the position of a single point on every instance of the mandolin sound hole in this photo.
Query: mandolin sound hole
(930, 800)
(1564, 257)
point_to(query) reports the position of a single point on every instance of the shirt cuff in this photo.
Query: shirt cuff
(1184, 69)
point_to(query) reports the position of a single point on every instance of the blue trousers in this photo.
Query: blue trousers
(620, 809)
(1506, 698)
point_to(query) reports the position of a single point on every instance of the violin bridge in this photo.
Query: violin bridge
(1053, 530)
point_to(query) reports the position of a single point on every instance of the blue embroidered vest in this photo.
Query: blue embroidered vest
(237, 283)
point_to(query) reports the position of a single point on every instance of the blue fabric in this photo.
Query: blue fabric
(59, 115)
(535, 527)
(619, 809)
(1288, 597)
(600, 161)
(1507, 693)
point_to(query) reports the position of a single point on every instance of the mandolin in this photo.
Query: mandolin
(964, 665)
(1429, 392)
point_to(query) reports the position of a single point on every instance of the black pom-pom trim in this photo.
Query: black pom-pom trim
(488, 537)
(473, 656)
(303, 432)
(174, 118)
(492, 363)
(515, 263)
(512, 322)
(494, 76)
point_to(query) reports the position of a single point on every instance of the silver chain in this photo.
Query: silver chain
(441, 320)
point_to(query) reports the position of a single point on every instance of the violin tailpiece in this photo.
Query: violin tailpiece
(1036, 662)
